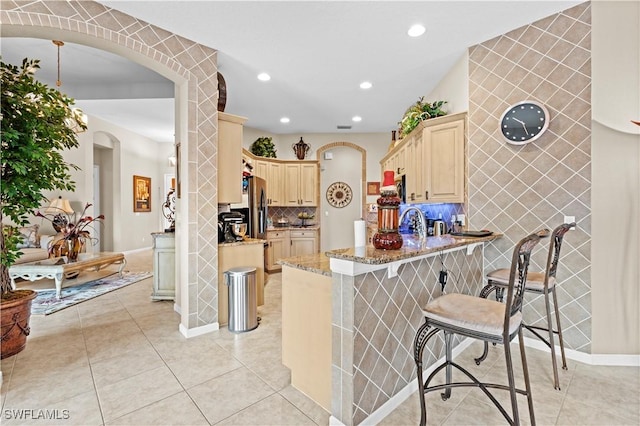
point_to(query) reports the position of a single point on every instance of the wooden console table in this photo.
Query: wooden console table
(56, 268)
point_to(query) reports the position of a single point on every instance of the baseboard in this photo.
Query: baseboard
(177, 308)
(333, 421)
(591, 359)
(198, 331)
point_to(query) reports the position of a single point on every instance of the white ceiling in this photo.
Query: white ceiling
(317, 53)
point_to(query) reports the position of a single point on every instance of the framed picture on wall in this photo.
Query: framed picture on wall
(373, 188)
(141, 194)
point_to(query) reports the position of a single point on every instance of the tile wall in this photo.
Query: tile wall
(516, 190)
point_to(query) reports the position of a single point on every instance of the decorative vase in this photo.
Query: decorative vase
(388, 237)
(301, 149)
(74, 247)
(15, 322)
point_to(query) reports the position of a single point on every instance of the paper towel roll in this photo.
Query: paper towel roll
(360, 233)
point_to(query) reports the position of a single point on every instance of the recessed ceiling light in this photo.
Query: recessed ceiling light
(356, 118)
(366, 85)
(416, 30)
(264, 76)
(284, 120)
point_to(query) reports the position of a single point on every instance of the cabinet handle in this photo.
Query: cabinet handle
(426, 195)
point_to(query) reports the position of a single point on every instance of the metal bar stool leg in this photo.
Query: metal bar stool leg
(527, 383)
(559, 328)
(552, 346)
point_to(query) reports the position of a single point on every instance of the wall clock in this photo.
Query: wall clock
(339, 194)
(524, 122)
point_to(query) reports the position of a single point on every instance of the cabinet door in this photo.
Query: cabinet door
(275, 183)
(308, 184)
(291, 184)
(230, 158)
(261, 169)
(304, 242)
(302, 246)
(278, 247)
(444, 153)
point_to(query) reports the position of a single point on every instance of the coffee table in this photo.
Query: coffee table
(58, 267)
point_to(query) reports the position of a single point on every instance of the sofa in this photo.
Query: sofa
(34, 246)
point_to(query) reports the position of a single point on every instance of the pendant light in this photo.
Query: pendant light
(77, 116)
(58, 43)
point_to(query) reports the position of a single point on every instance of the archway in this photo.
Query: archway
(193, 68)
(340, 227)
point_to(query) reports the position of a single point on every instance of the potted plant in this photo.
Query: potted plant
(36, 125)
(418, 112)
(263, 147)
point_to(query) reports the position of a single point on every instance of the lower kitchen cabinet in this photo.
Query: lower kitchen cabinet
(232, 256)
(278, 247)
(304, 242)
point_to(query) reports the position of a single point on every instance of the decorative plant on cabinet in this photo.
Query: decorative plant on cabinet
(37, 126)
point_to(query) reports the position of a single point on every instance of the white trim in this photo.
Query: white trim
(198, 331)
(333, 421)
(396, 400)
(591, 359)
(176, 308)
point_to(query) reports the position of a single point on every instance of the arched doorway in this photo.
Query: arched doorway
(337, 223)
(193, 68)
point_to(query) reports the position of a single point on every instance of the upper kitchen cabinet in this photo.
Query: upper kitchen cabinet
(301, 184)
(432, 160)
(273, 173)
(230, 158)
(443, 147)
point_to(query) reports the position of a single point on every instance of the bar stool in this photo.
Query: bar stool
(537, 283)
(483, 319)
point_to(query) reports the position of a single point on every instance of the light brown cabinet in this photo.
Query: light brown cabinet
(289, 183)
(434, 159)
(278, 247)
(303, 241)
(300, 183)
(230, 157)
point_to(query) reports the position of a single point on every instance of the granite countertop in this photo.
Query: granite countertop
(412, 246)
(293, 227)
(244, 242)
(317, 263)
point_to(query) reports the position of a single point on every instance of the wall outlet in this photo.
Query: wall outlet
(462, 219)
(570, 219)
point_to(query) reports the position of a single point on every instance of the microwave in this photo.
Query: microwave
(401, 187)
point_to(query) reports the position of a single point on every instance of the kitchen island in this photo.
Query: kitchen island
(364, 308)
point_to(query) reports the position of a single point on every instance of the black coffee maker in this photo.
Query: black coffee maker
(226, 220)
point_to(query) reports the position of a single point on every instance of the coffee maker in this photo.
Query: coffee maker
(226, 228)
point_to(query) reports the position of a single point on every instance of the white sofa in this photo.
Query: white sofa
(34, 246)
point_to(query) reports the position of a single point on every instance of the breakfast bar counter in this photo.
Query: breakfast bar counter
(355, 353)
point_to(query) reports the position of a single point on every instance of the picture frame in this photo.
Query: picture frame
(373, 188)
(141, 194)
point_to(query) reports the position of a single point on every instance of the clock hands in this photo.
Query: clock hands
(523, 125)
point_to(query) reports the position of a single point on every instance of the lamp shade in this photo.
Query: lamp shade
(59, 205)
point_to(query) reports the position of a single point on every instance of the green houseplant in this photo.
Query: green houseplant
(36, 125)
(263, 147)
(418, 112)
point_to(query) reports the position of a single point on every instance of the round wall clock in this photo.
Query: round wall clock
(339, 194)
(524, 122)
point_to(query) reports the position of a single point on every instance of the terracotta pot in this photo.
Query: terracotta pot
(15, 322)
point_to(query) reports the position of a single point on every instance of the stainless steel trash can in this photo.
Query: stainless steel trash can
(243, 298)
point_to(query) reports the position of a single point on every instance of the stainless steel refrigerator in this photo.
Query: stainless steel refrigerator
(254, 207)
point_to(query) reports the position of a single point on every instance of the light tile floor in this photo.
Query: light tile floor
(120, 360)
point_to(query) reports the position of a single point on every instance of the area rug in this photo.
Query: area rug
(46, 302)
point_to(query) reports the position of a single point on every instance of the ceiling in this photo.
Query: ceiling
(317, 54)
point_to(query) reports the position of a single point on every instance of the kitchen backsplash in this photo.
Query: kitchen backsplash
(290, 214)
